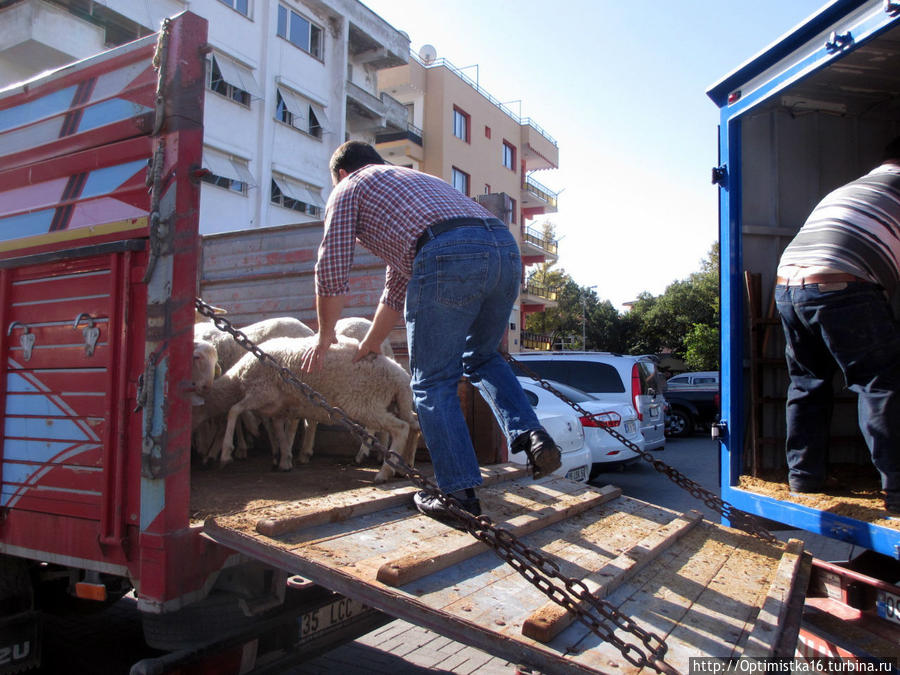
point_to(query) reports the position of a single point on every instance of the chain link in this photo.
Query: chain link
(739, 519)
(539, 570)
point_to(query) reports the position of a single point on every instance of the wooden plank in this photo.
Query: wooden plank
(345, 505)
(548, 621)
(460, 545)
(776, 608)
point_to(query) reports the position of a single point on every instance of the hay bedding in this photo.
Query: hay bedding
(853, 491)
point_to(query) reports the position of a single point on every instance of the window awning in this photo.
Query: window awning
(320, 115)
(237, 75)
(298, 106)
(295, 190)
(222, 165)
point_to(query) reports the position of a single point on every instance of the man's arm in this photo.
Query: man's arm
(385, 320)
(328, 311)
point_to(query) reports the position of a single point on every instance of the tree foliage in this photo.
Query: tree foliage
(684, 320)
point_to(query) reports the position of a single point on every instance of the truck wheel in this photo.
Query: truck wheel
(681, 423)
(16, 589)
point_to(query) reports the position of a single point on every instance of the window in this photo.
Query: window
(509, 156)
(226, 172)
(299, 32)
(291, 195)
(513, 207)
(460, 124)
(461, 181)
(227, 78)
(487, 189)
(487, 131)
(242, 6)
(296, 111)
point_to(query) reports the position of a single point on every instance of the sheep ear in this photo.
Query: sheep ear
(218, 370)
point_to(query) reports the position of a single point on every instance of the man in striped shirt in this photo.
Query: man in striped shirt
(453, 272)
(835, 281)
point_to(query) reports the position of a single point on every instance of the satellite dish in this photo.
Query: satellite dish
(428, 54)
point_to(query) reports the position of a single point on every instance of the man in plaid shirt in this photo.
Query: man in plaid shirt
(453, 272)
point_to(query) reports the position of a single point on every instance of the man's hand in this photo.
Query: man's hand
(314, 357)
(367, 348)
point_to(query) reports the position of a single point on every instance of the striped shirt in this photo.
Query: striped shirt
(386, 208)
(854, 229)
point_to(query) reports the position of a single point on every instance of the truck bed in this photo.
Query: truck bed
(706, 589)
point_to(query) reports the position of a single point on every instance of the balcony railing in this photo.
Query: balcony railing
(540, 291)
(533, 237)
(527, 121)
(412, 133)
(543, 193)
(535, 341)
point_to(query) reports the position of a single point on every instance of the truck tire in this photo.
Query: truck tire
(211, 618)
(681, 423)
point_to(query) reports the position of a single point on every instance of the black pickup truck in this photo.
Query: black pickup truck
(691, 406)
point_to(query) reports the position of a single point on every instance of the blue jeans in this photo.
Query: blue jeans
(853, 329)
(458, 304)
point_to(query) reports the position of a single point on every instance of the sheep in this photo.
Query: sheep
(228, 351)
(364, 390)
(355, 327)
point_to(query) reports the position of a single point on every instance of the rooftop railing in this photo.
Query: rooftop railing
(442, 62)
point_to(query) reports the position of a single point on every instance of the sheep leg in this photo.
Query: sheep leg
(228, 440)
(309, 437)
(287, 430)
(399, 431)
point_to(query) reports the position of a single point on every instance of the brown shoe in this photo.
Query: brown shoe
(542, 453)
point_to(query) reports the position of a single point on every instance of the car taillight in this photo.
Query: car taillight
(636, 389)
(606, 420)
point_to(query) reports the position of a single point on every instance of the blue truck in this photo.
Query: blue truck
(810, 112)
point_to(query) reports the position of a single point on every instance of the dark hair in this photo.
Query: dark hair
(892, 151)
(353, 155)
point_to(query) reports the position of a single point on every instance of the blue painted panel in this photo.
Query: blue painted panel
(54, 103)
(106, 180)
(26, 224)
(107, 112)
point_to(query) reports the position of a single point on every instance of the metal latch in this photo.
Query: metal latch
(719, 175)
(91, 333)
(837, 41)
(891, 6)
(26, 340)
(718, 430)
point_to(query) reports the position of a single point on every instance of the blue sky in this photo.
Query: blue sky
(621, 85)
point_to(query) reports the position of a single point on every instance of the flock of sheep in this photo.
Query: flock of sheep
(235, 394)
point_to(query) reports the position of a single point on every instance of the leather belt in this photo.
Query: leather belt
(442, 226)
(825, 278)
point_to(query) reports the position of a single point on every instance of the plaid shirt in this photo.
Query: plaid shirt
(386, 208)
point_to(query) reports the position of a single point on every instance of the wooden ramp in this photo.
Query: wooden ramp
(705, 589)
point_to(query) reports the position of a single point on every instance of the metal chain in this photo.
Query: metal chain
(539, 570)
(738, 518)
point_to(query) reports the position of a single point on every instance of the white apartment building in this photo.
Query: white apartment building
(288, 81)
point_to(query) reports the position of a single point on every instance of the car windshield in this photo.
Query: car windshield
(588, 376)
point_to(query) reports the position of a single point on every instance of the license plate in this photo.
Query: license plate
(888, 606)
(332, 614)
(578, 474)
(629, 427)
(654, 411)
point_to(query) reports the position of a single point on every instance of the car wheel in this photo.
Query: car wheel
(681, 423)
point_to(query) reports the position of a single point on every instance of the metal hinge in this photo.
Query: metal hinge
(718, 430)
(720, 175)
(837, 41)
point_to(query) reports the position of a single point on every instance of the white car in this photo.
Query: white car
(566, 430)
(606, 451)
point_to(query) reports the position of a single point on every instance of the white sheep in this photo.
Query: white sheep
(367, 391)
(355, 327)
(228, 351)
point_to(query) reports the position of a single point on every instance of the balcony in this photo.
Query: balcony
(367, 112)
(537, 341)
(536, 247)
(398, 145)
(539, 149)
(538, 294)
(537, 198)
(38, 36)
(374, 43)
